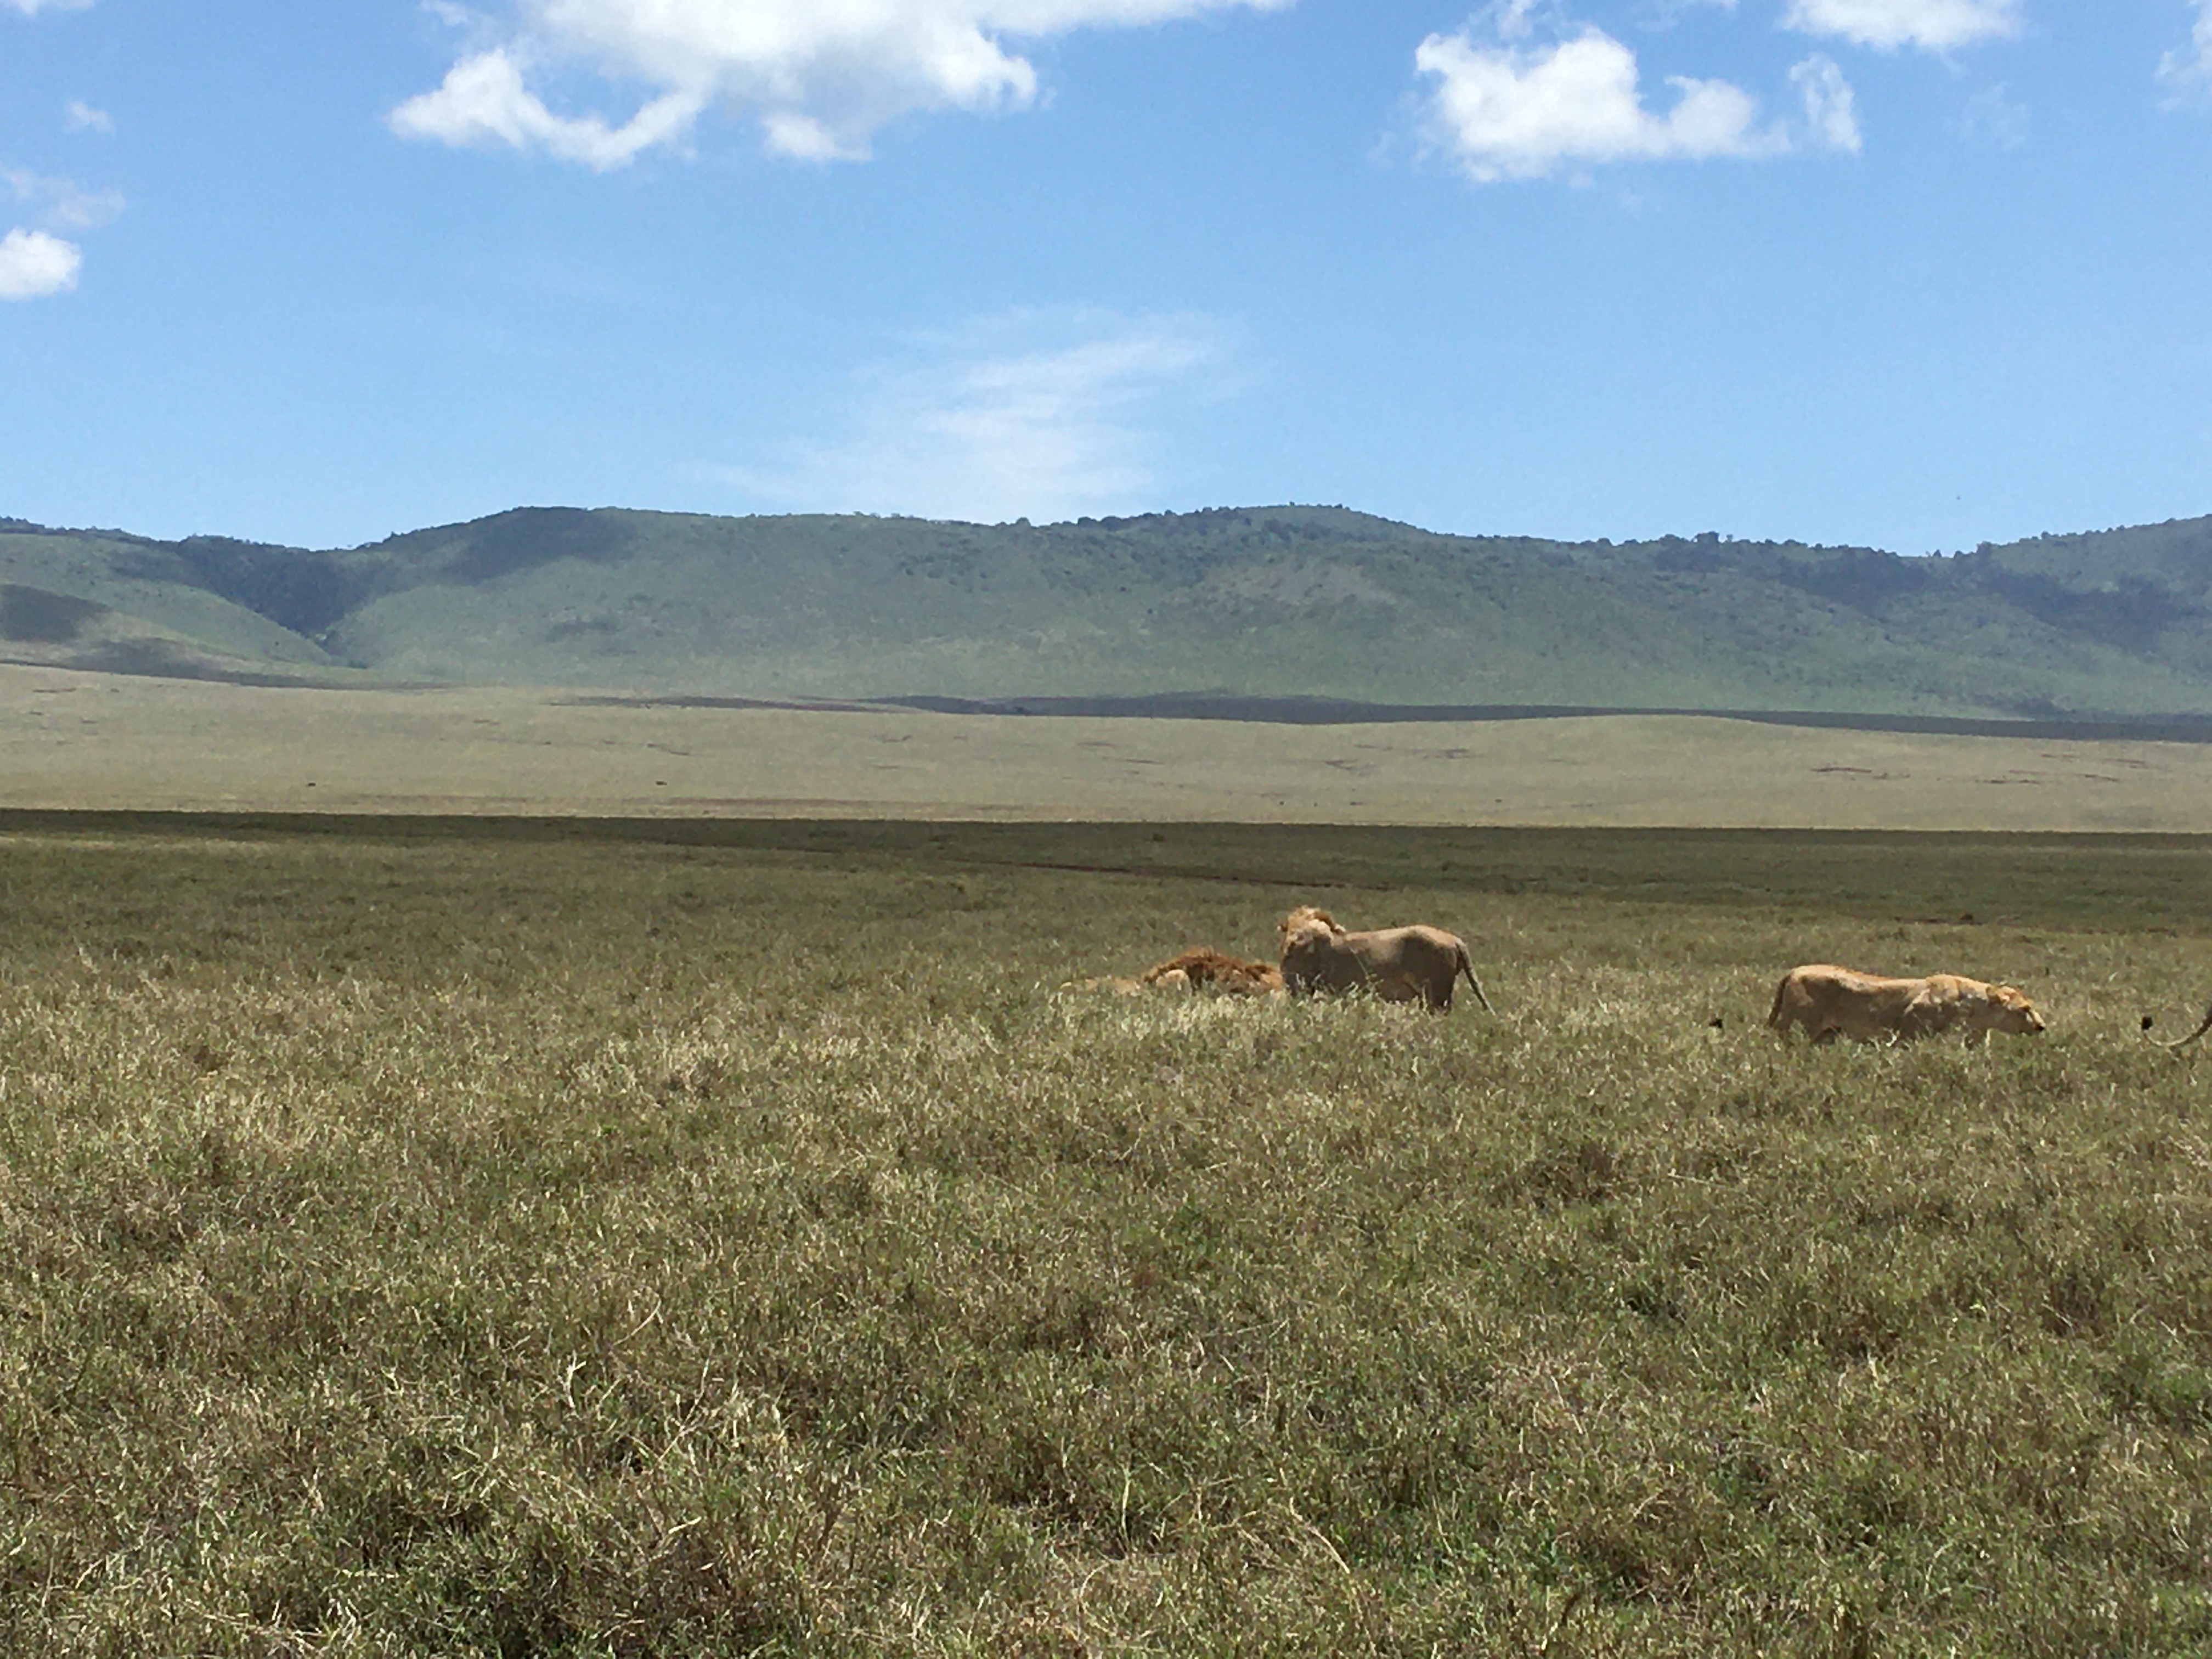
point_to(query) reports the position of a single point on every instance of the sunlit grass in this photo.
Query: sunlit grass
(546, 1246)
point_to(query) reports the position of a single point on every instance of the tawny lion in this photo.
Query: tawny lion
(1396, 963)
(1828, 1000)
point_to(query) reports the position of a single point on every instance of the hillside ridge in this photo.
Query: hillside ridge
(1272, 602)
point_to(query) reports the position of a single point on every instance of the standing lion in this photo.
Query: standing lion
(1397, 963)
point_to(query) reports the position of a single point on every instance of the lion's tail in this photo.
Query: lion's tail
(2202, 1027)
(1467, 967)
(1774, 1014)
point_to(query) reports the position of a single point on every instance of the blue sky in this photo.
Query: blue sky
(1912, 273)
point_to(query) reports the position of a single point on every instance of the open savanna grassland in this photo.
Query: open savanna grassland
(120, 742)
(718, 1238)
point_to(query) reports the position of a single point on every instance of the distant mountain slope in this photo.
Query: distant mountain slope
(1269, 601)
(97, 600)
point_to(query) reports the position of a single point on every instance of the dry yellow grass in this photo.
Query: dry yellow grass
(70, 740)
(515, 1242)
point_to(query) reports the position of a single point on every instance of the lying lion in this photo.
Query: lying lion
(1202, 967)
(1396, 963)
(1826, 999)
(1195, 969)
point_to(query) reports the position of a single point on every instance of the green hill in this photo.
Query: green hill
(1288, 601)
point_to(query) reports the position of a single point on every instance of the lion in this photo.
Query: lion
(1199, 966)
(1196, 968)
(1396, 963)
(1826, 999)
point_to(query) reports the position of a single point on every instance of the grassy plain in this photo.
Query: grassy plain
(717, 1239)
(74, 740)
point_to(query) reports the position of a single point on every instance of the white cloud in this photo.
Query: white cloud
(1931, 25)
(36, 262)
(32, 8)
(1036, 416)
(2189, 75)
(822, 76)
(81, 117)
(1510, 112)
(484, 98)
(33, 264)
(1507, 111)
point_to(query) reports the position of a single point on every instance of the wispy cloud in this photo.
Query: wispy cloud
(1043, 416)
(1994, 119)
(1831, 109)
(1930, 24)
(1666, 13)
(61, 202)
(32, 8)
(81, 117)
(822, 79)
(2187, 75)
(33, 264)
(1503, 108)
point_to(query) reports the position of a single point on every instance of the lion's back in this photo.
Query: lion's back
(1825, 997)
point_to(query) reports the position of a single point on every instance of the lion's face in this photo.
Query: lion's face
(1305, 920)
(2009, 1010)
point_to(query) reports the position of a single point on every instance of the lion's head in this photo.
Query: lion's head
(2008, 1009)
(1306, 919)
